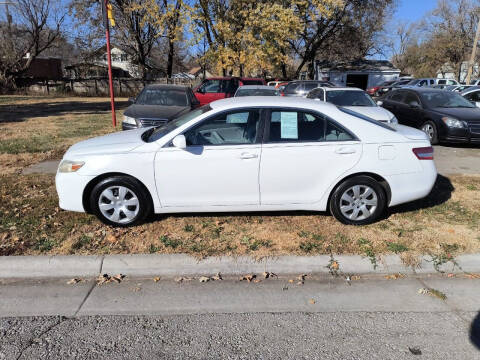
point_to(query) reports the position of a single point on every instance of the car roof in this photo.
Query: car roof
(268, 101)
(421, 90)
(257, 87)
(166, 86)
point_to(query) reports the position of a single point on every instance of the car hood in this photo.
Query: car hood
(465, 114)
(374, 112)
(118, 142)
(154, 111)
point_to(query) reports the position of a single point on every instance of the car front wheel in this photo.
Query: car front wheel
(120, 201)
(430, 129)
(359, 200)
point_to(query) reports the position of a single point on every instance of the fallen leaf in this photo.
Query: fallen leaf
(156, 279)
(248, 277)
(203, 279)
(291, 281)
(217, 277)
(415, 351)
(111, 238)
(182, 279)
(311, 301)
(268, 274)
(450, 275)
(118, 278)
(257, 280)
(334, 265)
(74, 281)
(302, 277)
(394, 276)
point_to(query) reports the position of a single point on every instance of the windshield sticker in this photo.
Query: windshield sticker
(237, 118)
(289, 126)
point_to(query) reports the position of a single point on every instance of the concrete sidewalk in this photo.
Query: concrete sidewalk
(180, 264)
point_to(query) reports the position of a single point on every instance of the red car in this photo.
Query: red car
(217, 88)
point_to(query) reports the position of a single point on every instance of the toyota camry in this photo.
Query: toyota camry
(250, 154)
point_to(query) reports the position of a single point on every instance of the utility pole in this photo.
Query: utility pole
(471, 63)
(108, 15)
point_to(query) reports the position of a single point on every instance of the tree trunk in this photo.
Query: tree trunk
(284, 70)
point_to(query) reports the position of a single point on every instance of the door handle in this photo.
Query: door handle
(345, 150)
(248, 156)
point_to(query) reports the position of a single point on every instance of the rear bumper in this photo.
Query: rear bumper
(412, 186)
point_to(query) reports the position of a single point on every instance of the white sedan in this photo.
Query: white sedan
(250, 154)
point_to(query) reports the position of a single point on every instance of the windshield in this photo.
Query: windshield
(165, 97)
(256, 92)
(413, 82)
(445, 99)
(161, 131)
(349, 98)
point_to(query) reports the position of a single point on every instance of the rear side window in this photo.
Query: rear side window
(473, 96)
(299, 126)
(411, 98)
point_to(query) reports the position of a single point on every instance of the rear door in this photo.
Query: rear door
(302, 155)
(394, 103)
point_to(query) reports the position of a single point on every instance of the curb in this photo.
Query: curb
(16, 267)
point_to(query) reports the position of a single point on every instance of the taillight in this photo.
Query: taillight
(423, 153)
(282, 94)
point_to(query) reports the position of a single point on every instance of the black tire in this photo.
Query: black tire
(135, 188)
(363, 182)
(429, 128)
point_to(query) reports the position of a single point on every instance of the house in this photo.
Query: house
(197, 73)
(44, 69)
(448, 72)
(359, 73)
(87, 70)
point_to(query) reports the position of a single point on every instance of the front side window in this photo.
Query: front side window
(396, 96)
(445, 99)
(230, 128)
(411, 99)
(298, 126)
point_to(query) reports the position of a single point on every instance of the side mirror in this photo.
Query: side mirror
(477, 104)
(131, 100)
(379, 102)
(180, 142)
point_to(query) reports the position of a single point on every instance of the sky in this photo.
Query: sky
(413, 10)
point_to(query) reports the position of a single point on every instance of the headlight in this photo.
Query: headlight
(393, 120)
(452, 122)
(67, 166)
(129, 120)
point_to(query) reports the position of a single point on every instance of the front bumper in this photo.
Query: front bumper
(465, 135)
(70, 188)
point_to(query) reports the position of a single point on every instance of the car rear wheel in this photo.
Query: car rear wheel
(120, 201)
(359, 200)
(430, 129)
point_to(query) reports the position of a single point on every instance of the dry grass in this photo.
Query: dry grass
(444, 224)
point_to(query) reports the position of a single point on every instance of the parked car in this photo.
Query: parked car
(217, 88)
(209, 159)
(274, 83)
(440, 81)
(256, 90)
(373, 91)
(397, 84)
(472, 94)
(354, 99)
(158, 104)
(419, 83)
(475, 82)
(300, 88)
(442, 115)
(460, 88)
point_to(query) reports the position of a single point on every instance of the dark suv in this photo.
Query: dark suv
(442, 115)
(302, 87)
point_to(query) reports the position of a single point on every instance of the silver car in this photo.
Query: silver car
(301, 88)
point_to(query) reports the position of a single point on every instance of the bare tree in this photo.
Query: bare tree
(36, 27)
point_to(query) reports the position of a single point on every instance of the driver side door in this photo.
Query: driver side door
(219, 167)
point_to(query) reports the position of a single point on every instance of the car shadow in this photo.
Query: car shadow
(459, 145)
(21, 112)
(475, 331)
(441, 193)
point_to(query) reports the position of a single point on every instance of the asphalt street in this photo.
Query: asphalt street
(325, 318)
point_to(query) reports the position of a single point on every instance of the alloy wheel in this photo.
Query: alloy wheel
(429, 130)
(358, 202)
